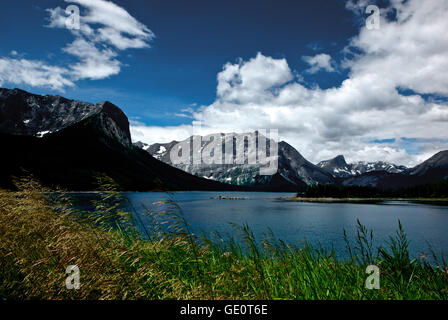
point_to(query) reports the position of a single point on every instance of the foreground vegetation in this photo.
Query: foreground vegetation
(41, 235)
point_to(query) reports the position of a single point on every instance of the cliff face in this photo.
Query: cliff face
(114, 122)
(27, 114)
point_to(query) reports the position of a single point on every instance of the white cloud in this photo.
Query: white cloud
(141, 132)
(33, 73)
(105, 29)
(319, 62)
(104, 21)
(94, 63)
(407, 53)
(410, 52)
(183, 115)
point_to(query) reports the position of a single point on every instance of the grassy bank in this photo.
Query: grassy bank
(41, 236)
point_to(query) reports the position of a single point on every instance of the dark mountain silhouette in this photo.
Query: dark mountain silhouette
(67, 143)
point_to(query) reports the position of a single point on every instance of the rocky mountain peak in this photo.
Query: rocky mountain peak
(337, 163)
(339, 168)
(339, 160)
(293, 169)
(26, 114)
(115, 122)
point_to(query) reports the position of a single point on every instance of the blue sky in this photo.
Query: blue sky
(318, 52)
(194, 39)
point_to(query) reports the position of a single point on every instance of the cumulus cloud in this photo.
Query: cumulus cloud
(243, 82)
(141, 132)
(105, 30)
(410, 51)
(94, 63)
(319, 62)
(33, 73)
(407, 53)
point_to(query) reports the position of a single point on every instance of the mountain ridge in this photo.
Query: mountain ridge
(292, 166)
(432, 170)
(27, 114)
(339, 168)
(67, 143)
(295, 169)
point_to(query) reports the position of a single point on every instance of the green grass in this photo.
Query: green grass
(40, 236)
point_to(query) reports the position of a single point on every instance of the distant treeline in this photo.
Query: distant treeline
(435, 190)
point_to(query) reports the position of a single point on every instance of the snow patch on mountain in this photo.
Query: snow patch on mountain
(339, 168)
(292, 167)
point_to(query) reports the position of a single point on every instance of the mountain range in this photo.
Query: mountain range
(341, 169)
(294, 169)
(68, 143)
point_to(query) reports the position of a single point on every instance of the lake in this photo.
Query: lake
(296, 221)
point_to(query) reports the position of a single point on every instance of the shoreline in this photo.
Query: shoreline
(365, 200)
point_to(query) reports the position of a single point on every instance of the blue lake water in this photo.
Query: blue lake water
(296, 221)
(293, 222)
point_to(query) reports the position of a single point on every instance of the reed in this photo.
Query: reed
(41, 234)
